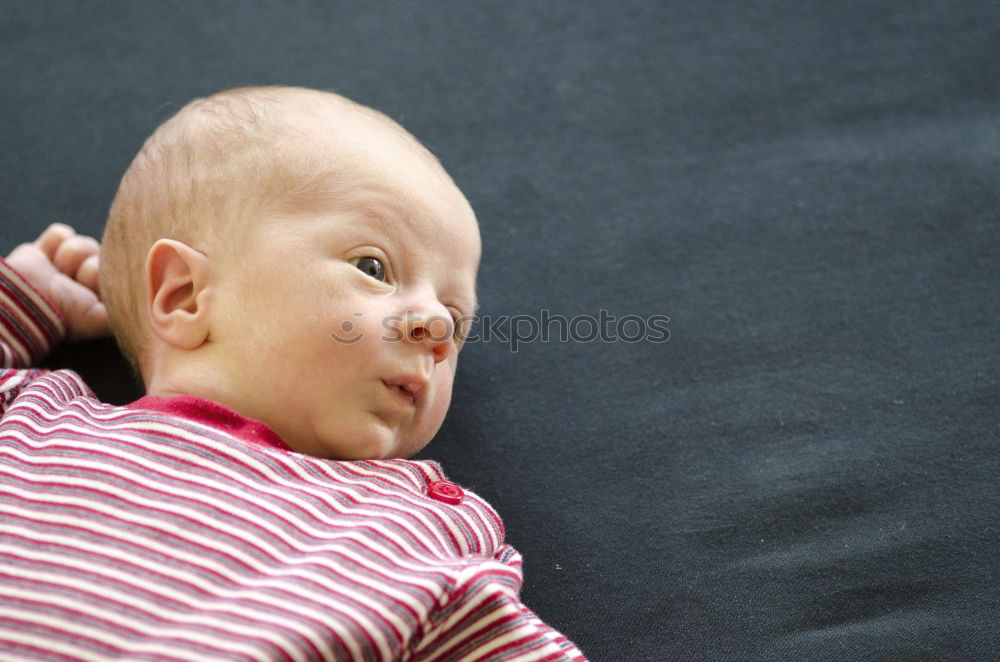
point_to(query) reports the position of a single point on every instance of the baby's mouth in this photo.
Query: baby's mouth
(407, 388)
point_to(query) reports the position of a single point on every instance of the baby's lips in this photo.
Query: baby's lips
(414, 385)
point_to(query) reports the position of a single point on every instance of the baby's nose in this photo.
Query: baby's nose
(436, 331)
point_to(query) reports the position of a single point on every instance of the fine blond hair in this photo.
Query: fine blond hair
(207, 173)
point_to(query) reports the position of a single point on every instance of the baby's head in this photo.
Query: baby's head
(299, 258)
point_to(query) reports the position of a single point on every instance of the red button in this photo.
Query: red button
(446, 492)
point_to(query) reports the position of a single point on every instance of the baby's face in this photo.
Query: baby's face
(338, 321)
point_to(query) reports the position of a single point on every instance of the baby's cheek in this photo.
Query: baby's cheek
(442, 396)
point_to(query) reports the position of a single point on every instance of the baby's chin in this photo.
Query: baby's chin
(375, 443)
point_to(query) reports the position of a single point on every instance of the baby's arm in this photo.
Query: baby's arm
(63, 267)
(484, 621)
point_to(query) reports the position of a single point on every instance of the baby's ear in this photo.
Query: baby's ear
(176, 305)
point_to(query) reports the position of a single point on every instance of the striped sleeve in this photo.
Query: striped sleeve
(30, 326)
(483, 620)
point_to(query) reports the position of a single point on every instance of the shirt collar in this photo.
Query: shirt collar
(209, 412)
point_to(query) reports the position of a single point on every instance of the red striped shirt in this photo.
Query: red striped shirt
(180, 530)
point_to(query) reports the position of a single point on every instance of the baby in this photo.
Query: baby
(291, 275)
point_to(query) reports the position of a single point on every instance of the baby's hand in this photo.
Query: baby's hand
(64, 267)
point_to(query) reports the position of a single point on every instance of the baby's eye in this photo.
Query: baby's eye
(371, 266)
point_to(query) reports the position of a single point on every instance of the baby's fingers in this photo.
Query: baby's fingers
(52, 238)
(72, 253)
(85, 315)
(89, 272)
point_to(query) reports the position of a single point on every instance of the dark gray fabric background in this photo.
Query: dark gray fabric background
(808, 469)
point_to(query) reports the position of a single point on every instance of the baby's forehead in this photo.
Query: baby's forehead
(270, 116)
(316, 149)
